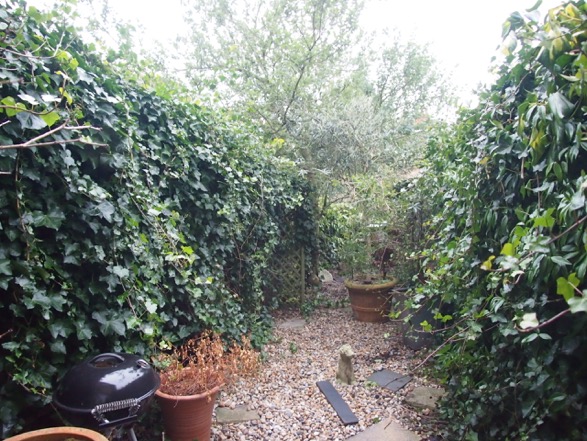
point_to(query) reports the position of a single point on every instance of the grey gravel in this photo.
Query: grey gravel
(284, 393)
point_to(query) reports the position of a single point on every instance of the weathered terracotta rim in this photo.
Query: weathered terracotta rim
(372, 286)
(212, 391)
(55, 433)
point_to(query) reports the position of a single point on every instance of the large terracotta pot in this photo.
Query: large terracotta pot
(370, 302)
(187, 417)
(59, 434)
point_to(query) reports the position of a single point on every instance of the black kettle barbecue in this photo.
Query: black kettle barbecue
(107, 390)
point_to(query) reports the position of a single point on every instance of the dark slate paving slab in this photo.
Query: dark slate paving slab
(340, 406)
(390, 380)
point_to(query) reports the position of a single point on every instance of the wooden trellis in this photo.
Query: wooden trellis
(287, 276)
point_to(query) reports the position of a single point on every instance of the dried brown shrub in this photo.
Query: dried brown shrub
(203, 362)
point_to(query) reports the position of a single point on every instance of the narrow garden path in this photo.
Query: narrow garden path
(284, 401)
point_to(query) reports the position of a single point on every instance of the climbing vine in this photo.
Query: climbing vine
(127, 220)
(510, 241)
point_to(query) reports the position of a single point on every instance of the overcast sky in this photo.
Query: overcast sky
(462, 34)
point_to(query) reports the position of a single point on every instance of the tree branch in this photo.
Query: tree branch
(33, 142)
(546, 323)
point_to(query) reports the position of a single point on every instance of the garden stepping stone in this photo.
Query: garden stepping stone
(340, 406)
(424, 397)
(240, 414)
(389, 380)
(385, 431)
(292, 324)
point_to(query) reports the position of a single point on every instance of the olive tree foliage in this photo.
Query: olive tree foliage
(379, 118)
(270, 57)
(305, 72)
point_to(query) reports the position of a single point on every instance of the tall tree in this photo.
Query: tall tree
(272, 59)
(303, 70)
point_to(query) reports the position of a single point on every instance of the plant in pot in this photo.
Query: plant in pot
(369, 283)
(191, 378)
(367, 252)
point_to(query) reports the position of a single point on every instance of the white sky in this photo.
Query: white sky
(462, 34)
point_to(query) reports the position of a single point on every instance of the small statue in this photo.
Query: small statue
(345, 372)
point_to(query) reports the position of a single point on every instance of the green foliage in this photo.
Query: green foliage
(509, 239)
(126, 219)
(304, 71)
(381, 228)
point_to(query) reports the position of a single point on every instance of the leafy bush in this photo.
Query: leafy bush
(380, 227)
(510, 248)
(126, 219)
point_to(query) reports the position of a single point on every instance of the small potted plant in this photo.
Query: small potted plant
(368, 258)
(376, 248)
(191, 377)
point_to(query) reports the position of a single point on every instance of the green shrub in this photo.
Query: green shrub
(510, 249)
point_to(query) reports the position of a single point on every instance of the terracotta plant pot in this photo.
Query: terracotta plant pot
(187, 417)
(370, 302)
(59, 434)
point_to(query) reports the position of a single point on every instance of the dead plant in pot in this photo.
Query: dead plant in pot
(191, 377)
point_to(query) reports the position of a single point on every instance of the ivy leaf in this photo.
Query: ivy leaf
(58, 347)
(188, 250)
(566, 287)
(559, 104)
(560, 261)
(28, 98)
(486, 266)
(49, 98)
(12, 106)
(59, 329)
(529, 320)
(150, 306)
(106, 210)
(109, 327)
(84, 76)
(30, 121)
(5, 267)
(50, 118)
(545, 221)
(120, 271)
(577, 201)
(508, 249)
(578, 304)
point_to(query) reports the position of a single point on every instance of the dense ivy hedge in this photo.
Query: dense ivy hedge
(126, 220)
(510, 253)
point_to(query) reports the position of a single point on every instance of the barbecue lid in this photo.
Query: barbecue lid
(106, 378)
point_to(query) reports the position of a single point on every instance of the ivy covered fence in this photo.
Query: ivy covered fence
(127, 220)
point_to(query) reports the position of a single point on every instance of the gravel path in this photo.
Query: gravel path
(285, 395)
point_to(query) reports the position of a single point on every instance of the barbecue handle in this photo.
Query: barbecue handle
(106, 356)
(132, 404)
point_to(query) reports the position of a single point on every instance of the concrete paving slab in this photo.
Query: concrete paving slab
(292, 324)
(240, 414)
(424, 397)
(385, 431)
(389, 380)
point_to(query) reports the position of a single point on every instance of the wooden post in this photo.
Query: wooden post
(303, 276)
